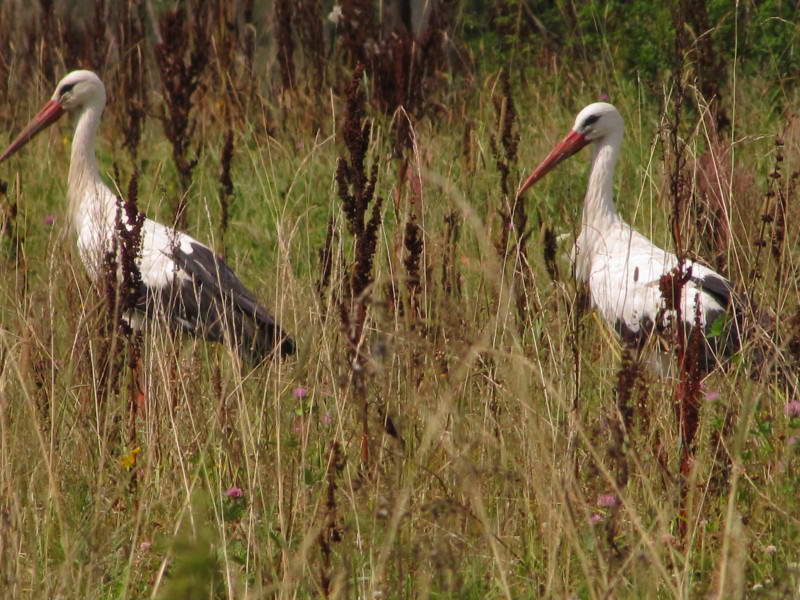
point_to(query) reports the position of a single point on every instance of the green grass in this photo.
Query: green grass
(505, 439)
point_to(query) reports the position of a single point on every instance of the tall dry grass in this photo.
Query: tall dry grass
(511, 453)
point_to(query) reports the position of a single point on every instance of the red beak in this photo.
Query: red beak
(573, 142)
(49, 114)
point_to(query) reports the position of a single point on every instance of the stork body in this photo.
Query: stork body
(622, 268)
(182, 279)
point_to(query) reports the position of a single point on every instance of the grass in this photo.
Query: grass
(496, 482)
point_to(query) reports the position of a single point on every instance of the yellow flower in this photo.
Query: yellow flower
(128, 461)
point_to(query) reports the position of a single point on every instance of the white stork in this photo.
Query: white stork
(622, 267)
(182, 279)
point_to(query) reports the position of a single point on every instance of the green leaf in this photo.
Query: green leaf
(717, 326)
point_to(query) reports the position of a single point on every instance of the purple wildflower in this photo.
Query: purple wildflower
(595, 518)
(793, 408)
(607, 501)
(300, 392)
(234, 492)
(49, 219)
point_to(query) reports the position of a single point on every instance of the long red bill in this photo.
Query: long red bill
(573, 142)
(50, 112)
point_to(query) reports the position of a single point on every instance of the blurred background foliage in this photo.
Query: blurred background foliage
(637, 35)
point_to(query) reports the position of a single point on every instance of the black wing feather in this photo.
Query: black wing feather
(213, 303)
(729, 341)
(717, 286)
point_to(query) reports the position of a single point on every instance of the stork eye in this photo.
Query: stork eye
(590, 120)
(65, 88)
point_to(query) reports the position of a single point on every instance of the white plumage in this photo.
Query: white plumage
(182, 279)
(622, 267)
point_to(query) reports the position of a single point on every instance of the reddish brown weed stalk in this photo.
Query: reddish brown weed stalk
(688, 350)
(512, 243)
(356, 191)
(131, 288)
(182, 56)
(283, 35)
(331, 532)
(132, 85)
(225, 185)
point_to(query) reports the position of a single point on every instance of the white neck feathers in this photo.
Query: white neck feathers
(84, 184)
(598, 209)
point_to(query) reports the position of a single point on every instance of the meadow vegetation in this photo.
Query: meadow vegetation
(456, 422)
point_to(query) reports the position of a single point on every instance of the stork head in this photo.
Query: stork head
(75, 92)
(79, 89)
(594, 123)
(597, 120)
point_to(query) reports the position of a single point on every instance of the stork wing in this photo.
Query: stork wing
(624, 279)
(206, 298)
(713, 284)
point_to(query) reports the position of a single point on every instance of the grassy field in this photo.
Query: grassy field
(472, 445)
